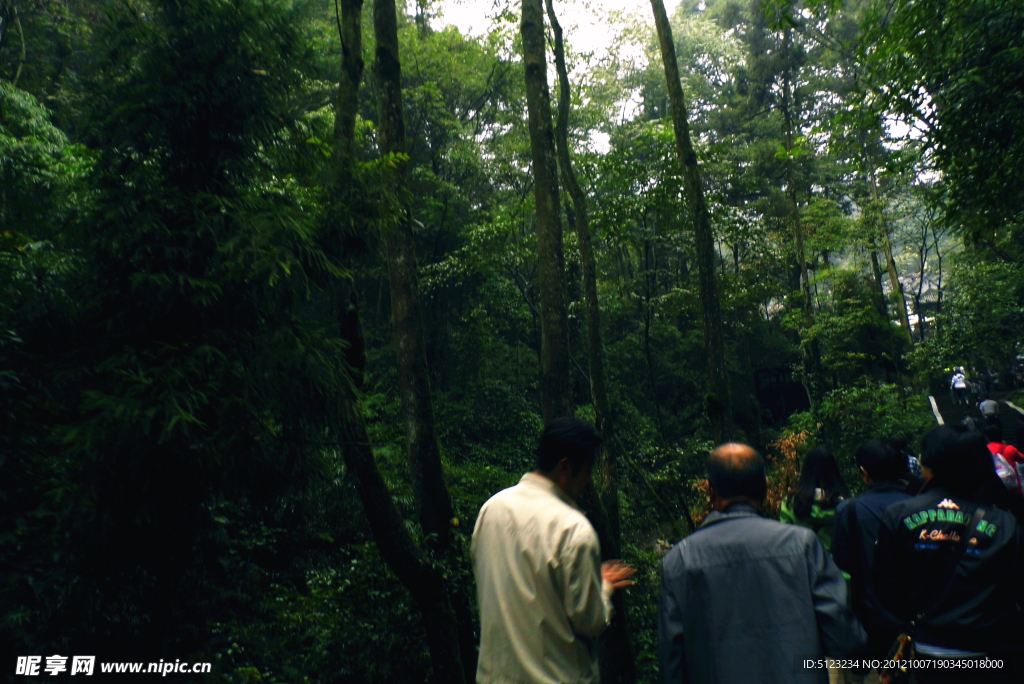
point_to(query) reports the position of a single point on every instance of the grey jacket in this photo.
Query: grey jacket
(745, 599)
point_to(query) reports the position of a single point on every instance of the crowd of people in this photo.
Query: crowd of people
(921, 575)
(977, 384)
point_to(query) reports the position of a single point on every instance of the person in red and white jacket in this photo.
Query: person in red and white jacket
(1009, 462)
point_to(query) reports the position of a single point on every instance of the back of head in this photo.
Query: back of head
(736, 471)
(570, 438)
(993, 433)
(958, 458)
(881, 461)
(819, 472)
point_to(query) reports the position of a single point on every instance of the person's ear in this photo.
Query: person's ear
(563, 468)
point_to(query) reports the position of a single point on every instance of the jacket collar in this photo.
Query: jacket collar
(736, 510)
(881, 487)
(541, 482)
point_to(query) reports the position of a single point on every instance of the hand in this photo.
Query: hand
(617, 574)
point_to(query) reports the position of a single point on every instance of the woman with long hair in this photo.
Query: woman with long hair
(819, 491)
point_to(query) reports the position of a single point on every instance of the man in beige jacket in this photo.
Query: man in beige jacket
(544, 595)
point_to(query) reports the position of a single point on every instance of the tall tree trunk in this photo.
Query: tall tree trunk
(876, 279)
(938, 285)
(811, 353)
(424, 455)
(421, 577)
(648, 311)
(595, 348)
(422, 450)
(894, 282)
(555, 399)
(414, 569)
(616, 656)
(719, 403)
(922, 257)
(346, 99)
(890, 264)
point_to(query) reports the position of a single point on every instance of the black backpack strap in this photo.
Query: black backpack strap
(855, 540)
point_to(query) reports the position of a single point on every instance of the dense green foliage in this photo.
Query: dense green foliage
(173, 378)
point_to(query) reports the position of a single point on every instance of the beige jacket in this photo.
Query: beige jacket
(542, 601)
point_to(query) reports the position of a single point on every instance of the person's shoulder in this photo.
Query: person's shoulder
(998, 516)
(893, 492)
(753, 532)
(914, 503)
(781, 539)
(769, 532)
(503, 496)
(891, 512)
(843, 505)
(509, 499)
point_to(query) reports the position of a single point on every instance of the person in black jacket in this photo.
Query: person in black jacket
(977, 613)
(853, 543)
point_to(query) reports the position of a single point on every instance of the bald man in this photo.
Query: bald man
(746, 599)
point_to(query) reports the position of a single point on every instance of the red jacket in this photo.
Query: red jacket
(1013, 457)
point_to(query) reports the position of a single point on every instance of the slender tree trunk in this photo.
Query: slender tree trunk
(422, 449)
(811, 354)
(422, 578)
(595, 348)
(890, 264)
(414, 569)
(719, 403)
(938, 285)
(21, 34)
(922, 256)
(876, 279)
(555, 398)
(423, 452)
(346, 99)
(616, 658)
(650, 372)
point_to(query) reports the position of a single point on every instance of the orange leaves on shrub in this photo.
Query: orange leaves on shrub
(783, 460)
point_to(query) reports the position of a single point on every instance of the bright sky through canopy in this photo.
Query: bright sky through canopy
(582, 20)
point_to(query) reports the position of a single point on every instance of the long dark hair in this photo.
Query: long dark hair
(819, 471)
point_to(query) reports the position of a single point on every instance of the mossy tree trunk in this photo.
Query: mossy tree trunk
(407, 560)
(617, 664)
(555, 398)
(719, 404)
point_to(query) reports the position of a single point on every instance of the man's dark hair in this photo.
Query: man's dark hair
(570, 438)
(881, 461)
(735, 474)
(993, 432)
(958, 458)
